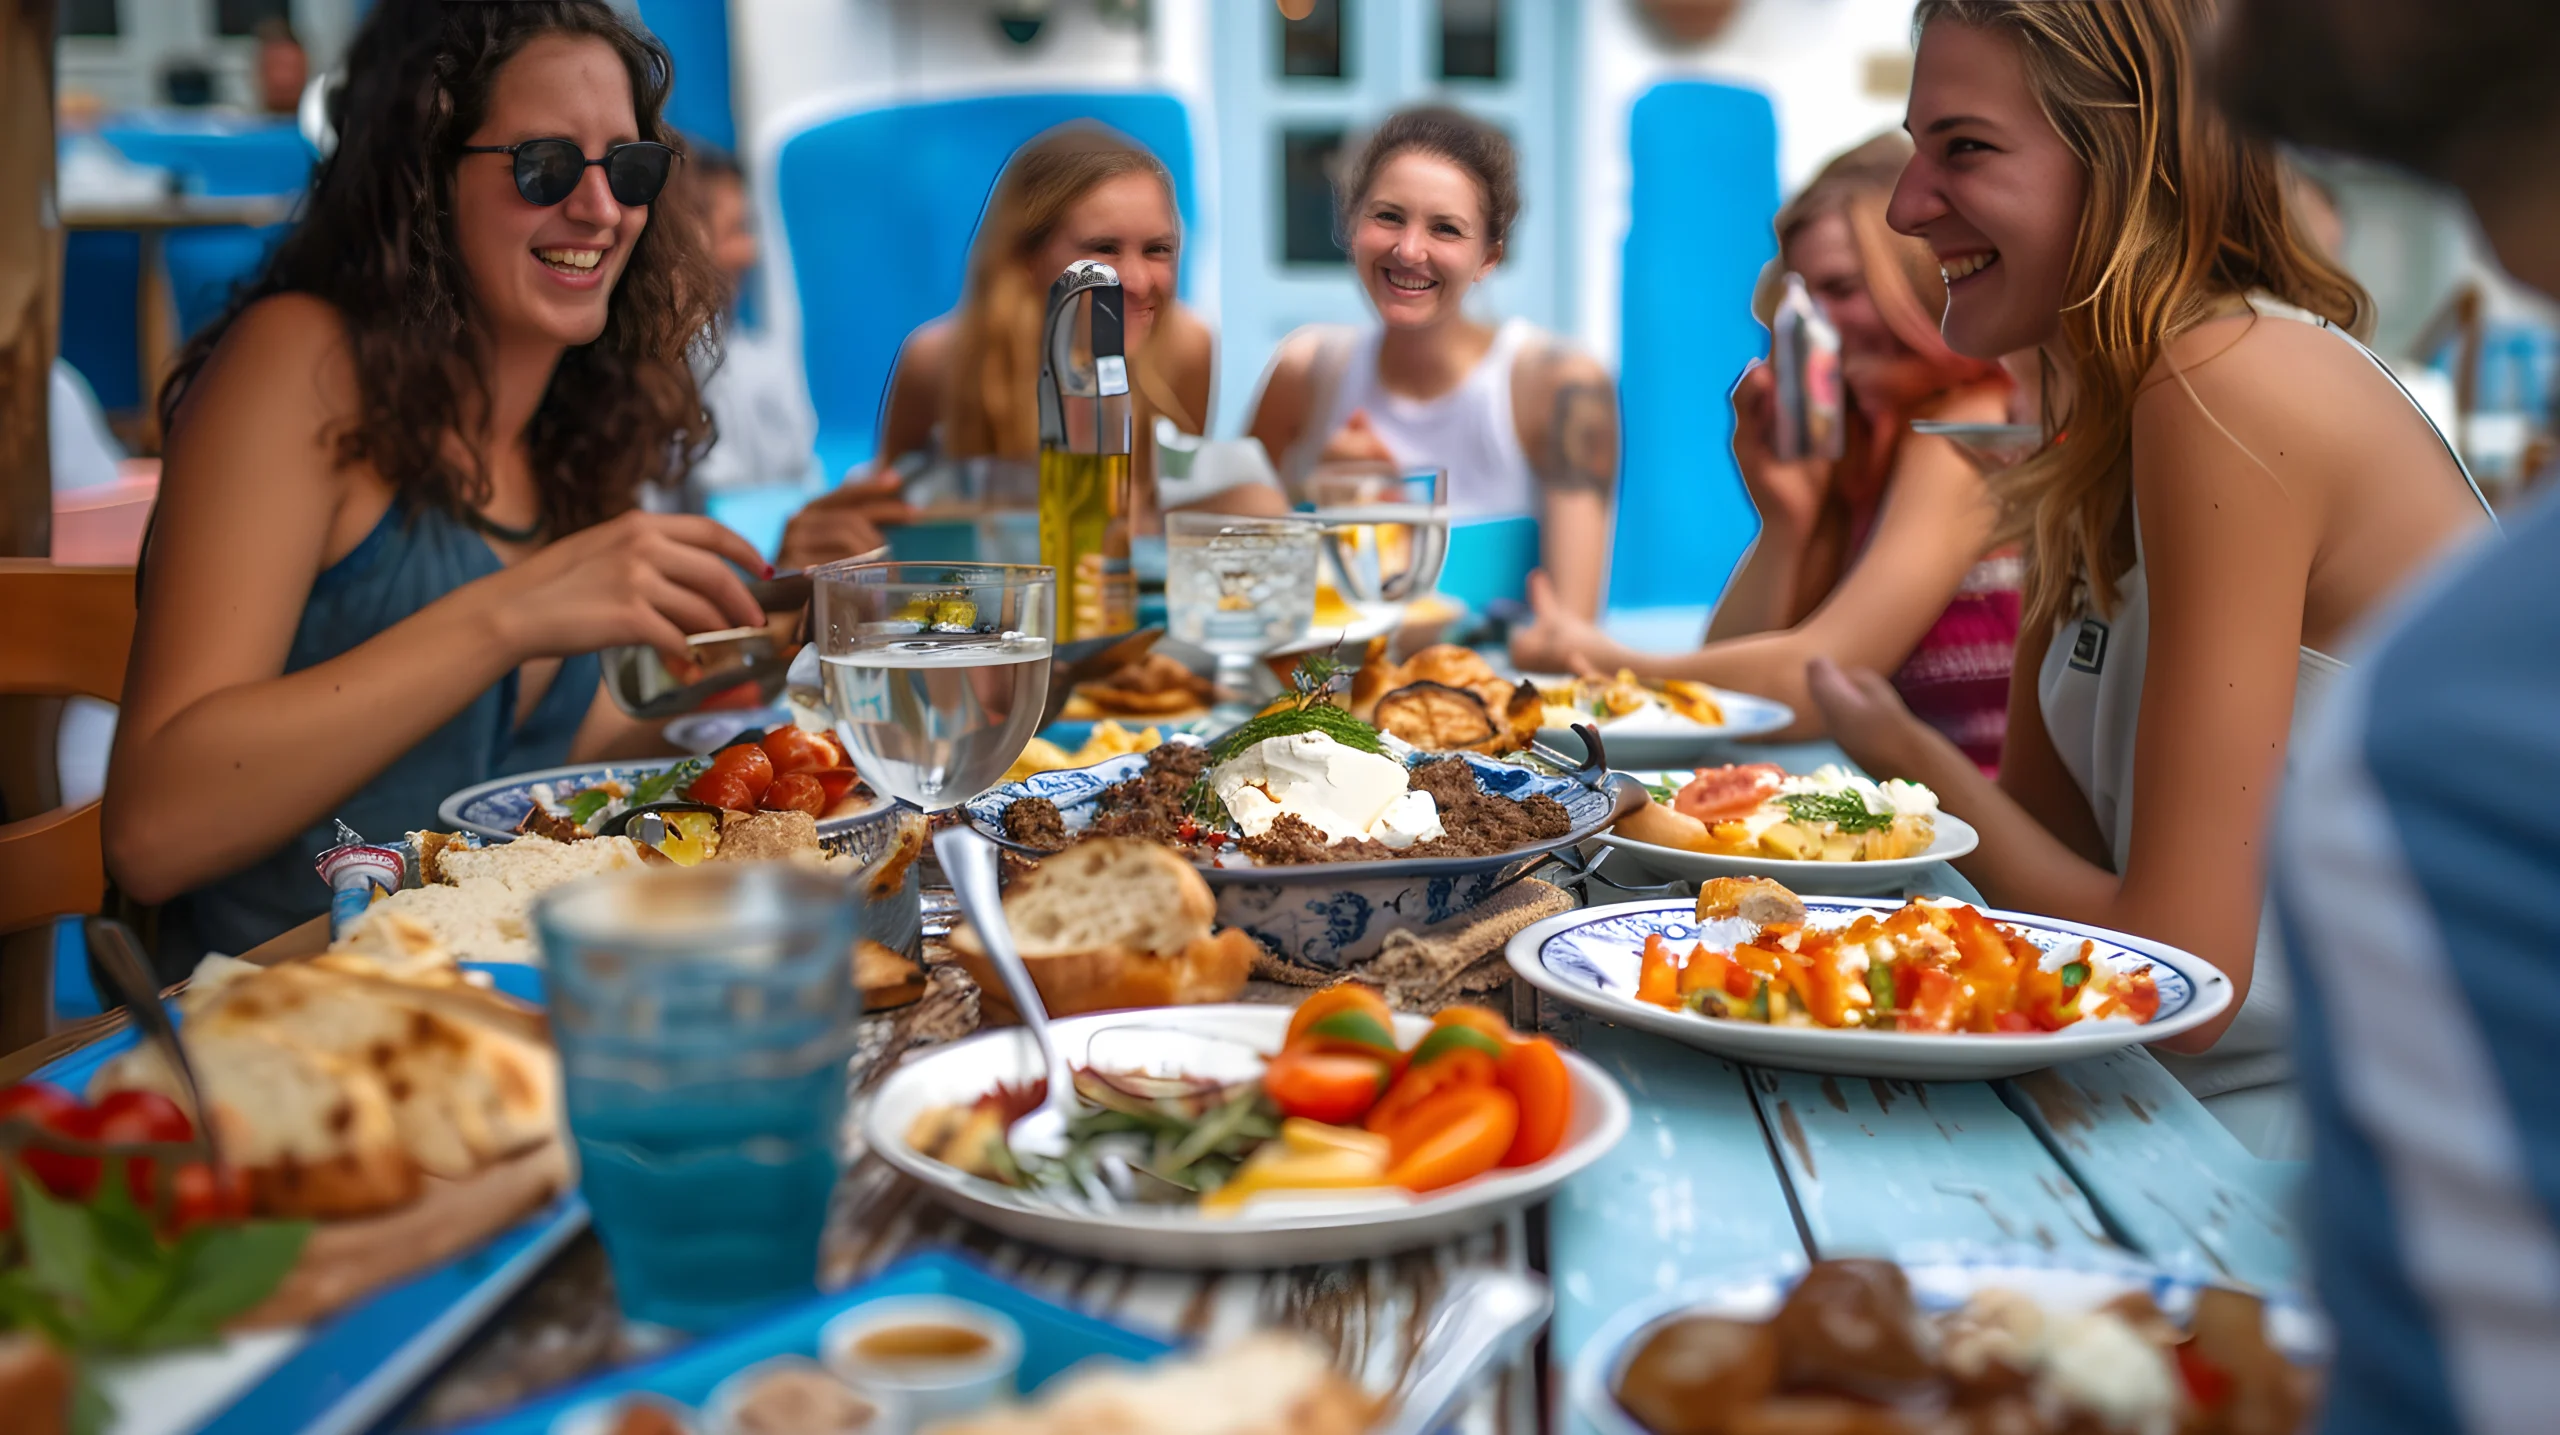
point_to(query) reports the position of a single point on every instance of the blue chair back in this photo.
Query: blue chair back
(217, 154)
(1704, 163)
(878, 207)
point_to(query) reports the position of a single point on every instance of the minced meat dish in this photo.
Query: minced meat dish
(1155, 804)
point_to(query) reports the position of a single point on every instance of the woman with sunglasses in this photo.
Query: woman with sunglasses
(396, 517)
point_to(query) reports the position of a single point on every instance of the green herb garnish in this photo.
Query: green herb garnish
(586, 806)
(2075, 975)
(1663, 791)
(1841, 809)
(658, 785)
(99, 1280)
(1333, 722)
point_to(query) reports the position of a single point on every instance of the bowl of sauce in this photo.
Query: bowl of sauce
(935, 1356)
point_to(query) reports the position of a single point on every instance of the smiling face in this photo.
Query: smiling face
(546, 273)
(1992, 189)
(1127, 222)
(1418, 240)
(1825, 253)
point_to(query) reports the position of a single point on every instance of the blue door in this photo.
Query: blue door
(1292, 93)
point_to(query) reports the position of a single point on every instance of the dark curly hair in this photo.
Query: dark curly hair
(375, 239)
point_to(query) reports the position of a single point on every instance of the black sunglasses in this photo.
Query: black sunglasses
(548, 171)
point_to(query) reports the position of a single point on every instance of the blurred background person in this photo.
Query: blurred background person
(765, 429)
(967, 385)
(283, 68)
(1525, 423)
(2413, 866)
(2232, 486)
(1875, 560)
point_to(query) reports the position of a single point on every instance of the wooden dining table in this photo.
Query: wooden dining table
(1726, 1170)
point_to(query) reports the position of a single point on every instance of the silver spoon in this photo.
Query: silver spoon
(970, 861)
(1484, 1320)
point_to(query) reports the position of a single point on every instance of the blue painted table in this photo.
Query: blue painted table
(1728, 1168)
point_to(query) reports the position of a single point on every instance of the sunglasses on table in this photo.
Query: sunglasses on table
(548, 170)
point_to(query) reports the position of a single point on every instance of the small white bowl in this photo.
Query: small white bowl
(927, 1389)
(721, 1410)
(597, 1417)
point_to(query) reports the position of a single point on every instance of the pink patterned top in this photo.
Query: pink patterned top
(1957, 680)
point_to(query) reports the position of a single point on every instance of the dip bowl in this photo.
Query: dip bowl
(1332, 915)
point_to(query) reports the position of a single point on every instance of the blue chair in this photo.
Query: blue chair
(101, 321)
(878, 207)
(216, 154)
(1704, 164)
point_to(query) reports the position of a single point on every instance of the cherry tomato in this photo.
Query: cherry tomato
(722, 787)
(1717, 794)
(835, 748)
(123, 1117)
(2013, 1023)
(837, 781)
(201, 1198)
(1476, 1018)
(1533, 1072)
(1452, 1137)
(749, 762)
(1340, 997)
(56, 1110)
(1332, 1087)
(795, 792)
(1461, 1068)
(796, 749)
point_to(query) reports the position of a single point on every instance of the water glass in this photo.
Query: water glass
(935, 673)
(705, 1019)
(1386, 532)
(1239, 587)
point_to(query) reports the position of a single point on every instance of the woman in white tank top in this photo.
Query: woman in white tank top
(1523, 423)
(2228, 495)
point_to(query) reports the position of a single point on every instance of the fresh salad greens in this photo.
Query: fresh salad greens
(1189, 1133)
(1843, 810)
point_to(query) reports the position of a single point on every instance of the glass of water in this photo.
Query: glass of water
(705, 1018)
(935, 673)
(1239, 587)
(1386, 532)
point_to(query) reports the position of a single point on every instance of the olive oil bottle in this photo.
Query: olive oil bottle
(1084, 453)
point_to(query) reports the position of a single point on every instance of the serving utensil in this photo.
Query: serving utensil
(1485, 1319)
(970, 861)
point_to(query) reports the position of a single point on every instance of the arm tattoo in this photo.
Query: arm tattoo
(1582, 439)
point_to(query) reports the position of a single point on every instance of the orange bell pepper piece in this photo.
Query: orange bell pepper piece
(1706, 971)
(1658, 978)
(1461, 1069)
(1456, 1135)
(1534, 1073)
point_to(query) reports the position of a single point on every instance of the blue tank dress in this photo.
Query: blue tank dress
(413, 557)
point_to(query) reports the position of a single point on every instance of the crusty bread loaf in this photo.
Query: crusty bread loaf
(1112, 923)
(1269, 1383)
(480, 921)
(531, 866)
(313, 1133)
(464, 1091)
(399, 945)
(765, 836)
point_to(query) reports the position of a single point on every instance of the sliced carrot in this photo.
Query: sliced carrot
(1534, 1073)
(1451, 1138)
(1460, 1069)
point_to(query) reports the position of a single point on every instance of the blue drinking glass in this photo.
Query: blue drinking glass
(705, 1019)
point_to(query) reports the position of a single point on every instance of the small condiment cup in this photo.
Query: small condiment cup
(926, 1386)
(723, 1413)
(602, 1416)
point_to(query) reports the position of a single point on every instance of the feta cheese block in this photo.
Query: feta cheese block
(1337, 789)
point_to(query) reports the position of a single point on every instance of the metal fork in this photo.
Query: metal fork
(1484, 1320)
(970, 861)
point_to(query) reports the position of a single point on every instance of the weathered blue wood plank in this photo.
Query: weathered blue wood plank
(2165, 1172)
(1882, 1166)
(1690, 1193)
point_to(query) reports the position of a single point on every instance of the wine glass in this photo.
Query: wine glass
(1239, 587)
(935, 673)
(1385, 530)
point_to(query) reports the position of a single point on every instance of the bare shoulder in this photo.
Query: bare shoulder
(2273, 366)
(1189, 341)
(1552, 376)
(286, 350)
(929, 347)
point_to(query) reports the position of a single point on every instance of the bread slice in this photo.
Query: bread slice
(1268, 1383)
(463, 1092)
(1754, 899)
(399, 945)
(766, 836)
(531, 866)
(480, 922)
(1110, 923)
(313, 1133)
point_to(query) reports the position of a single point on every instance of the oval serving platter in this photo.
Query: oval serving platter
(1332, 914)
(1590, 958)
(1282, 1232)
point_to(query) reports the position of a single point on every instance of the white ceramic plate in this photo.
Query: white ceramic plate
(493, 808)
(1657, 737)
(1955, 838)
(1590, 958)
(1277, 1232)
(1941, 1280)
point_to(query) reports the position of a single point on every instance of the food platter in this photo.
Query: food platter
(493, 808)
(1656, 738)
(1590, 958)
(1327, 1227)
(1332, 914)
(1883, 877)
(1942, 1278)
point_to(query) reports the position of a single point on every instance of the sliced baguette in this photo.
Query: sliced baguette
(313, 1133)
(1113, 923)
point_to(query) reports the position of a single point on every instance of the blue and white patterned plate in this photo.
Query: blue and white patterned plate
(1333, 914)
(1942, 1279)
(493, 808)
(1590, 958)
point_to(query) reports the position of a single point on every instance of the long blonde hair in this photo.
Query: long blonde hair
(2183, 214)
(991, 405)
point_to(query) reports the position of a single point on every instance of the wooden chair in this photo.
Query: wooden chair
(67, 634)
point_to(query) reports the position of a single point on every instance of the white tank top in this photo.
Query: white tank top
(2090, 688)
(1469, 430)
